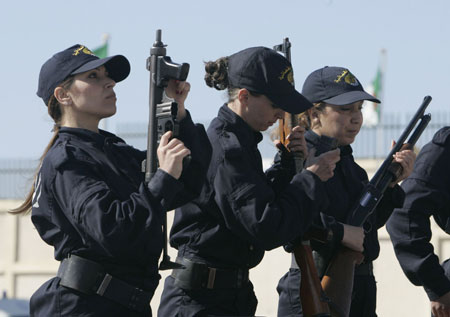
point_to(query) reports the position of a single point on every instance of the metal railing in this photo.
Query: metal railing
(16, 175)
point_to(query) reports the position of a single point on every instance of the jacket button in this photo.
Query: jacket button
(251, 247)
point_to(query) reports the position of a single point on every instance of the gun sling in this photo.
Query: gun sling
(196, 275)
(90, 278)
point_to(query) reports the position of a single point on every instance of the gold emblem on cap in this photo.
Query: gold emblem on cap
(339, 77)
(348, 78)
(351, 80)
(82, 49)
(288, 74)
(284, 73)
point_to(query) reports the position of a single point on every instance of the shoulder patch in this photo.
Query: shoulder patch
(442, 136)
(230, 144)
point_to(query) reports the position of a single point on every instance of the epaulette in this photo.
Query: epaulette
(58, 154)
(230, 144)
(442, 136)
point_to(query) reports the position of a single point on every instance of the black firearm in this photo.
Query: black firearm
(389, 170)
(162, 115)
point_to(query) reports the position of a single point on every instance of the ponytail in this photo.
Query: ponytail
(25, 207)
(54, 110)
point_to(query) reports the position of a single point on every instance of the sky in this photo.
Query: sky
(350, 33)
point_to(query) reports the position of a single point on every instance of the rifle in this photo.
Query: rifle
(162, 116)
(314, 302)
(338, 279)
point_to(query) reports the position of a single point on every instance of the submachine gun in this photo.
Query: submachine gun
(162, 116)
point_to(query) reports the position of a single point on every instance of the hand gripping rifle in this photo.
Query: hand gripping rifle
(338, 279)
(311, 294)
(162, 116)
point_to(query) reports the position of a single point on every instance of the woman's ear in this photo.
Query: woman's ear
(243, 96)
(62, 96)
(314, 117)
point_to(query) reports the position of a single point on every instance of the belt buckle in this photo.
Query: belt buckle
(211, 277)
(104, 284)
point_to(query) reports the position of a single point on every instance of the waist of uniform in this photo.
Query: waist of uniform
(193, 274)
(91, 278)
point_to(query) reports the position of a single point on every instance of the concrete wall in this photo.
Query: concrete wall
(26, 262)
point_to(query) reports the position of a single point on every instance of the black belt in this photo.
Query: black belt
(196, 275)
(90, 278)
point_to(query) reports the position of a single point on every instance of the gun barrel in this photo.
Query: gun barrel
(399, 143)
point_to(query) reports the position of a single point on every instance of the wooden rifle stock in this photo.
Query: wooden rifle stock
(337, 282)
(311, 294)
(314, 302)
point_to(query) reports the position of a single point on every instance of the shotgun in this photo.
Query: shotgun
(338, 279)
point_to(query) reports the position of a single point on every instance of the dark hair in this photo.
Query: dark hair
(216, 76)
(216, 73)
(54, 110)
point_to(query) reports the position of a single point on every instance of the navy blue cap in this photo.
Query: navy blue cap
(75, 60)
(335, 86)
(262, 70)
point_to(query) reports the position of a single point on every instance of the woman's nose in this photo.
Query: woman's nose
(357, 116)
(110, 82)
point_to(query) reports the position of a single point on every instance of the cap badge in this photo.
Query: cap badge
(348, 78)
(82, 49)
(288, 74)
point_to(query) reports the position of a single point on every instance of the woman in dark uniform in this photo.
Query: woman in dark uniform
(89, 200)
(239, 214)
(338, 97)
(427, 195)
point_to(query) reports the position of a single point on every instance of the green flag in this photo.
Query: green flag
(101, 51)
(372, 110)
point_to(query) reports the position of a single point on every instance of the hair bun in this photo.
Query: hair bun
(216, 73)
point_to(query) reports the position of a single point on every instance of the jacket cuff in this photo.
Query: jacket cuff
(438, 290)
(164, 187)
(186, 124)
(338, 232)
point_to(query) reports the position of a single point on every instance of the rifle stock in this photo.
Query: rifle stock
(337, 283)
(338, 279)
(314, 302)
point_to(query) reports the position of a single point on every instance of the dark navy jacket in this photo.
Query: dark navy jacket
(344, 190)
(91, 200)
(427, 194)
(238, 214)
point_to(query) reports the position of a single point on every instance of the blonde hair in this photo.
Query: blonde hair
(54, 110)
(305, 117)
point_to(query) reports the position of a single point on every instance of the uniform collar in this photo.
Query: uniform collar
(236, 124)
(313, 138)
(88, 135)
